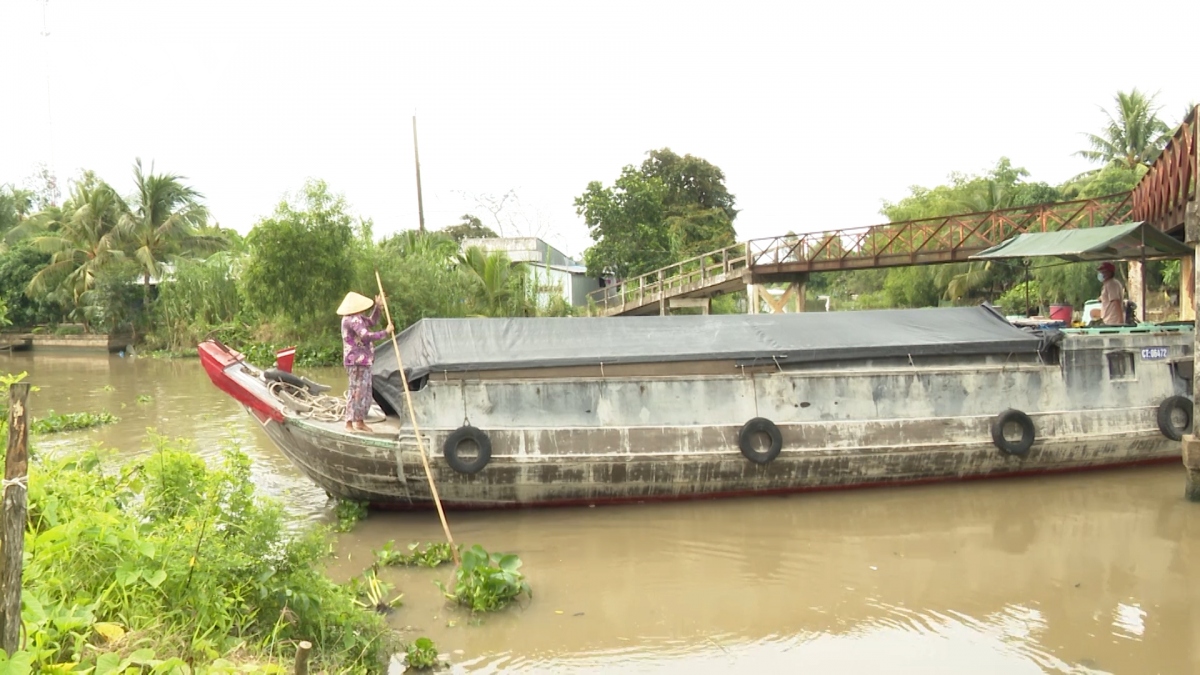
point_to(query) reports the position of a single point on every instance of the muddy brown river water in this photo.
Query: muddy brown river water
(1092, 573)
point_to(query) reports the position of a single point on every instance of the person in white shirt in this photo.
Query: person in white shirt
(1112, 296)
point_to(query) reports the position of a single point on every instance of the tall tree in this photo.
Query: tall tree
(301, 258)
(1134, 134)
(161, 222)
(671, 208)
(80, 237)
(15, 205)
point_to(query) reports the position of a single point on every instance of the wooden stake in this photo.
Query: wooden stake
(412, 416)
(302, 651)
(12, 534)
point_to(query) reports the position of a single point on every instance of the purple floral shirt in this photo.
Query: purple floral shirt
(358, 340)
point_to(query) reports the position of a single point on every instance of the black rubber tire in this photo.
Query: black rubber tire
(450, 450)
(1168, 406)
(746, 436)
(1019, 448)
(276, 375)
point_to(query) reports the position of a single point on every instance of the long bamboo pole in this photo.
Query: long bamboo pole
(412, 416)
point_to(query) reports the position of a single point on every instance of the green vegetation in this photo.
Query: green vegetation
(669, 209)
(153, 265)
(54, 423)
(1133, 136)
(348, 513)
(431, 555)
(309, 237)
(421, 654)
(373, 593)
(487, 582)
(168, 564)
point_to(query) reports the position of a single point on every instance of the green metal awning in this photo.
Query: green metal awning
(1130, 241)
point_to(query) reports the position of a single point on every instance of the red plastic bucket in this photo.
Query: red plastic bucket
(284, 359)
(1061, 313)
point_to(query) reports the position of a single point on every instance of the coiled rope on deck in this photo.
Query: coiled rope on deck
(303, 403)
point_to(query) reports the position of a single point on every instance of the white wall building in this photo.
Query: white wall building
(553, 272)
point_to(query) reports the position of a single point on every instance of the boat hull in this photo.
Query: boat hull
(634, 438)
(389, 474)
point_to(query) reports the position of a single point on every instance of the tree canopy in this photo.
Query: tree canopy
(670, 208)
(471, 227)
(301, 262)
(162, 221)
(1133, 136)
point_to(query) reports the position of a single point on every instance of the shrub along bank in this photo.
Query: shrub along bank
(172, 565)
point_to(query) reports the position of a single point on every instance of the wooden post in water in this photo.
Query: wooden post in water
(1191, 443)
(12, 530)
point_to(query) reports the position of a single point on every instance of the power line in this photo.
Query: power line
(49, 105)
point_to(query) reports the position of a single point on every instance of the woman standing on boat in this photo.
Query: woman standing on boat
(358, 353)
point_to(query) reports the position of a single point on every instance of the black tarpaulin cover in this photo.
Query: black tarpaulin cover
(457, 345)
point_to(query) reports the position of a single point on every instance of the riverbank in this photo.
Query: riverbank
(262, 354)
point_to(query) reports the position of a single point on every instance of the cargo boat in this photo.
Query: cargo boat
(547, 411)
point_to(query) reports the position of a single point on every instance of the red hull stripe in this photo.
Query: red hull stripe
(217, 362)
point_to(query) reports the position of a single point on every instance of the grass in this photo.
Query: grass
(176, 564)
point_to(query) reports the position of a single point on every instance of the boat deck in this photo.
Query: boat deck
(390, 427)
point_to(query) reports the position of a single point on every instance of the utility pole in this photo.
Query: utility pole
(417, 159)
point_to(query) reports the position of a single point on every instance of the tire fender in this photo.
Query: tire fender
(455, 439)
(1019, 448)
(1165, 422)
(746, 438)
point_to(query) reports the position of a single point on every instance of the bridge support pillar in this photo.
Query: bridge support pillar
(705, 304)
(1137, 288)
(792, 296)
(775, 302)
(1191, 443)
(1187, 289)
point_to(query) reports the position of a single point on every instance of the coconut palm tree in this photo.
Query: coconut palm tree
(499, 286)
(1133, 136)
(80, 237)
(161, 221)
(14, 207)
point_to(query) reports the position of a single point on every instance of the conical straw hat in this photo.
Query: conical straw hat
(354, 303)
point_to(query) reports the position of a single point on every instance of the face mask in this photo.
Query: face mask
(1100, 277)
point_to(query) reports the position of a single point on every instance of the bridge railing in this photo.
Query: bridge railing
(930, 240)
(1162, 195)
(710, 268)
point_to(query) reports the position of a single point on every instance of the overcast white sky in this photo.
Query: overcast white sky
(815, 111)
